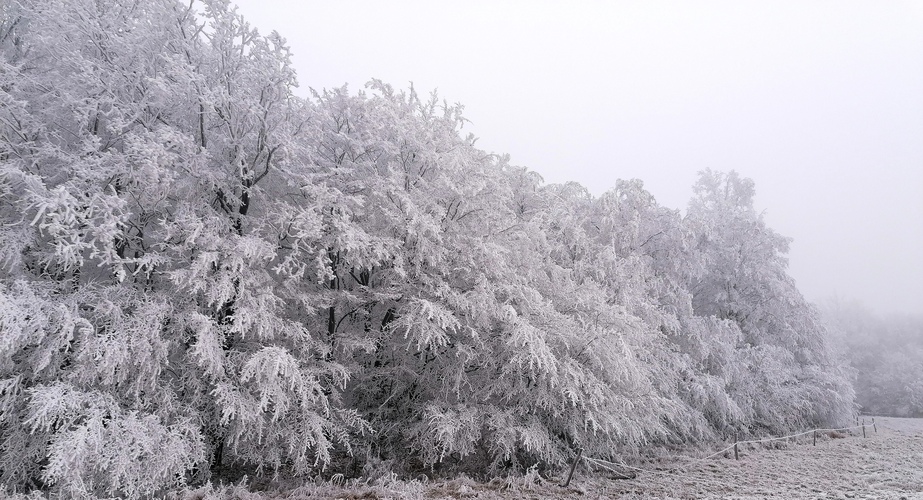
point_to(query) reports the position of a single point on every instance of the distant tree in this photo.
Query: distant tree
(884, 354)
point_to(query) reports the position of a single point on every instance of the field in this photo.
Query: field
(887, 464)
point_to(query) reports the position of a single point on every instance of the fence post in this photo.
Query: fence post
(572, 467)
(736, 439)
(815, 437)
(874, 427)
(863, 427)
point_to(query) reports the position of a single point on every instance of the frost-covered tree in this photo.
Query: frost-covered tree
(464, 338)
(792, 378)
(152, 199)
(647, 258)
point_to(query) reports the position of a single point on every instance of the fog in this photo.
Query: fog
(821, 104)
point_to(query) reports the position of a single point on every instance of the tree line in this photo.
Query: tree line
(202, 271)
(883, 354)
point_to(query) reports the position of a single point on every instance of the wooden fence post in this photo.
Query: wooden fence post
(863, 427)
(572, 467)
(815, 437)
(874, 427)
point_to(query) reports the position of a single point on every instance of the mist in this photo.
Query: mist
(821, 104)
(884, 352)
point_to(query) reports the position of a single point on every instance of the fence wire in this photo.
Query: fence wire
(610, 466)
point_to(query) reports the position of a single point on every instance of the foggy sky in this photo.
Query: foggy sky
(820, 103)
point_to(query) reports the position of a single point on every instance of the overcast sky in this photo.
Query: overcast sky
(819, 102)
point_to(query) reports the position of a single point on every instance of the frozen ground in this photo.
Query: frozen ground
(888, 464)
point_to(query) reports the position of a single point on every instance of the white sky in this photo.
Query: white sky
(819, 102)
